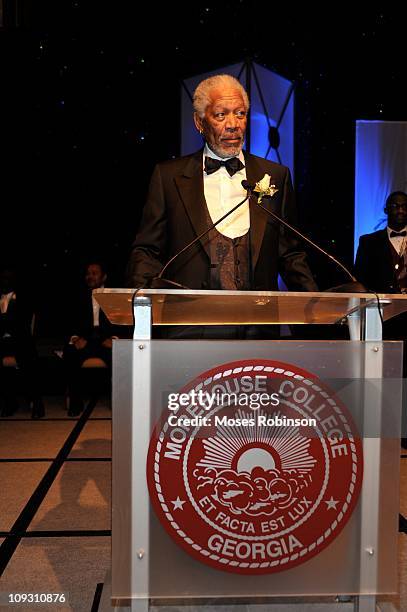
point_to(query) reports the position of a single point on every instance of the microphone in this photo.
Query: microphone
(159, 281)
(354, 285)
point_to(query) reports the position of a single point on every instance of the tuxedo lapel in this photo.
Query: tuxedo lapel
(88, 304)
(191, 189)
(387, 249)
(258, 219)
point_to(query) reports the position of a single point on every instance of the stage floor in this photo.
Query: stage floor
(55, 476)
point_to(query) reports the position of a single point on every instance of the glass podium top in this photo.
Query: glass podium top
(202, 307)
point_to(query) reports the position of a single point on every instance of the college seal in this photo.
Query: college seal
(255, 467)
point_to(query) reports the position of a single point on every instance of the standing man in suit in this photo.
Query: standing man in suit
(381, 265)
(90, 335)
(381, 259)
(247, 250)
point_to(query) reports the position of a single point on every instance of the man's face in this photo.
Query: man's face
(397, 212)
(94, 277)
(224, 123)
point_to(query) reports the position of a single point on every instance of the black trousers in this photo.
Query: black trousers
(24, 351)
(74, 358)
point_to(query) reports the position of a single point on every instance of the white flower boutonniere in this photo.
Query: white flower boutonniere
(265, 188)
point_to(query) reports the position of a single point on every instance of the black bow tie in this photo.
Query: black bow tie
(395, 234)
(232, 165)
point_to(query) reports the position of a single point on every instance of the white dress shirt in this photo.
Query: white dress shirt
(96, 310)
(5, 301)
(96, 313)
(222, 192)
(398, 242)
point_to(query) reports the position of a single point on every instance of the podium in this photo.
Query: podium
(213, 512)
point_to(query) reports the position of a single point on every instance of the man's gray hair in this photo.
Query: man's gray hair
(202, 97)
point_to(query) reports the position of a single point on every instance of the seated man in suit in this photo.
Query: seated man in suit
(90, 334)
(248, 249)
(17, 343)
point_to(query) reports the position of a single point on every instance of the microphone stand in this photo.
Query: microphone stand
(321, 250)
(158, 282)
(353, 286)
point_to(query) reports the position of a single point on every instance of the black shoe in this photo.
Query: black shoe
(75, 407)
(9, 407)
(38, 410)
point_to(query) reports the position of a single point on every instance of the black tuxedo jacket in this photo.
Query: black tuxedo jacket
(374, 264)
(81, 319)
(16, 322)
(374, 268)
(175, 214)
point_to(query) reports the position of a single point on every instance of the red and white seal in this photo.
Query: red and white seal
(257, 470)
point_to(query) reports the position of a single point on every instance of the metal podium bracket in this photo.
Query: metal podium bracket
(142, 317)
(366, 323)
(373, 322)
(371, 333)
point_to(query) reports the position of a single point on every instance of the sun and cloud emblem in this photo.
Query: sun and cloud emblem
(255, 470)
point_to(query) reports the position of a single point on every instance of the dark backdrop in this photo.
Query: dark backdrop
(90, 101)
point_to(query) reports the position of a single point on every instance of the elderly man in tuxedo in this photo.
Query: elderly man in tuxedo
(248, 249)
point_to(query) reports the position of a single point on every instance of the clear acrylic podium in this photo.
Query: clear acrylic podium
(149, 568)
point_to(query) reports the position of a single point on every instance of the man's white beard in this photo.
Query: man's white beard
(225, 153)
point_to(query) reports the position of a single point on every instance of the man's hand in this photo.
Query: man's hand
(79, 342)
(107, 343)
